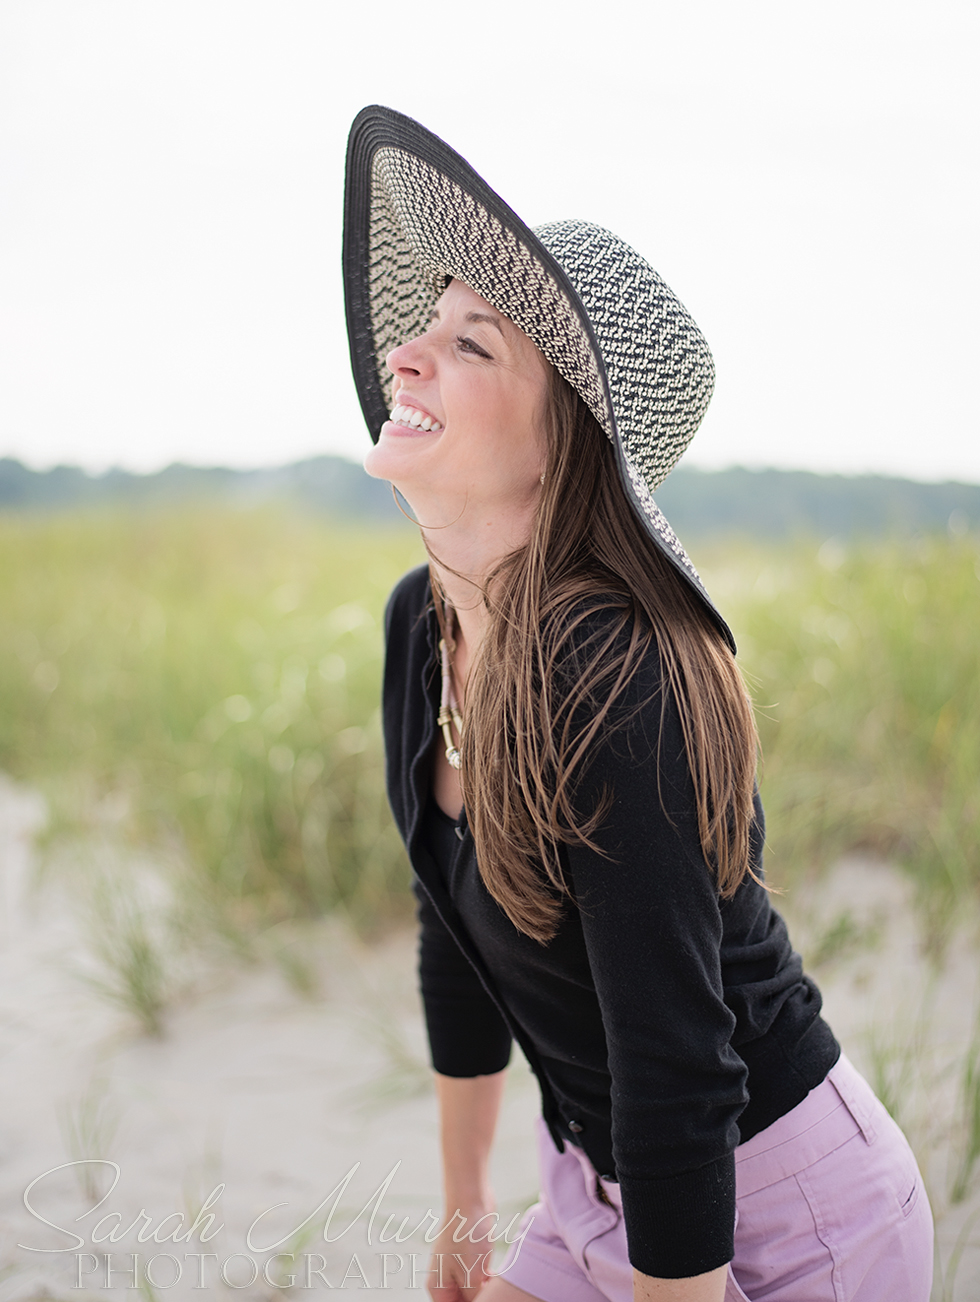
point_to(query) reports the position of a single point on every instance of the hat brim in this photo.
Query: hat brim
(422, 230)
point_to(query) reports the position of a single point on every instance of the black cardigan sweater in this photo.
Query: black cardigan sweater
(665, 1025)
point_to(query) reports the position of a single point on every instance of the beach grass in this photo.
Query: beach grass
(863, 664)
(205, 682)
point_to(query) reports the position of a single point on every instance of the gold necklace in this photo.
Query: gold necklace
(449, 716)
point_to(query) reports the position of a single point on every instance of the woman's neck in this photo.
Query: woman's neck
(463, 560)
(469, 620)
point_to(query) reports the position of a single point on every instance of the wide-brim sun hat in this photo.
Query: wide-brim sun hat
(417, 215)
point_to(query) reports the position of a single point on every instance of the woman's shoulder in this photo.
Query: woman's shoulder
(410, 598)
(600, 634)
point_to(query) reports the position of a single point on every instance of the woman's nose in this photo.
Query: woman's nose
(410, 359)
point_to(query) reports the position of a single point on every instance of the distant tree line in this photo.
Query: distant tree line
(787, 503)
(698, 503)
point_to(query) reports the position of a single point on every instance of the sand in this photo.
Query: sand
(289, 1118)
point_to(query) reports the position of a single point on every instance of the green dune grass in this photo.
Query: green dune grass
(864, 664)
(205, 682)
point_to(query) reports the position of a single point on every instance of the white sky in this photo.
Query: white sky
(804, 176)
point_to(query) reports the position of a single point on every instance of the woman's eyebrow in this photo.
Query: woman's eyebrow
(490, 320)
(475, 317)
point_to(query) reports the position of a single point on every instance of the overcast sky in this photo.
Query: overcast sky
(803, 176)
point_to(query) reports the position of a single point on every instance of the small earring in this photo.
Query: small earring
(542, 476)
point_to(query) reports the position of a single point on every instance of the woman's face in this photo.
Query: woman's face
(465, 439)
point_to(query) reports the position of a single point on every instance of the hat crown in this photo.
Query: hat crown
(658, 364)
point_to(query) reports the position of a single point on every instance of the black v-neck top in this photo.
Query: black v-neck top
(441, 835)
(665, 1025)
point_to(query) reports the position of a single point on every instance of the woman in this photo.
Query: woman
(571, 761)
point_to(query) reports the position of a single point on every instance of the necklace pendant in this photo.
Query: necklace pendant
(449, 716)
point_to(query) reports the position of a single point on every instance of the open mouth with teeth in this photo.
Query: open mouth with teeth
(414, 419)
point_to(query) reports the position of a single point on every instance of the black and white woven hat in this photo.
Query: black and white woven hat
(417, 215)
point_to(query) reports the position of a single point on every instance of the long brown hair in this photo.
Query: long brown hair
(524, 744)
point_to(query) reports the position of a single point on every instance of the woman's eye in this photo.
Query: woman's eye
(468, 346)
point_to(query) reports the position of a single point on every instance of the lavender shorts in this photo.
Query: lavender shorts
(830, 1208)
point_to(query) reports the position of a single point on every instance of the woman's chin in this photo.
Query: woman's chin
(372, 466)
(394, 456)
(382, 462)
(380, 465)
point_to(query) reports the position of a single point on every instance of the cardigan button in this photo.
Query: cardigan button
(576, 1127)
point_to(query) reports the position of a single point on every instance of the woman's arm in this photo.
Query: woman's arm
(697, 1288)
(653, 929)
(468, 1108)
(470, 1047)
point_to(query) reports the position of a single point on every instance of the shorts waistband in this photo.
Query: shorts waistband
(842, 1106)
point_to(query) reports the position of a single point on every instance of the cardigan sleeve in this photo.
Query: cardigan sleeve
(467, 1033)
(653, 930)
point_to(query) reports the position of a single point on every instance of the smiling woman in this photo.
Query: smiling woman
(571, 762)
(466, 433)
